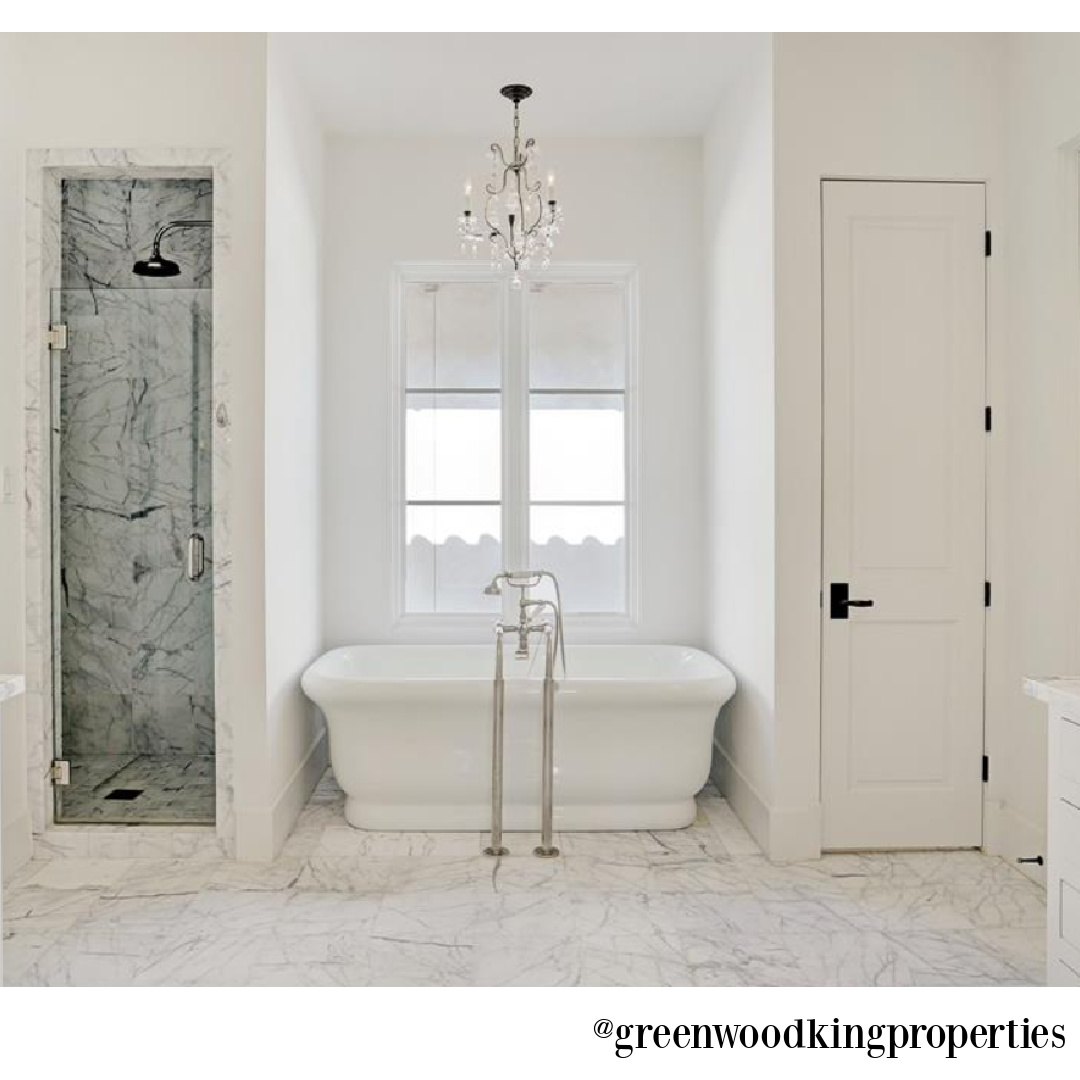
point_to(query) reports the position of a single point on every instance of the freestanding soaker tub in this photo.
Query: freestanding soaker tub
(410, 734)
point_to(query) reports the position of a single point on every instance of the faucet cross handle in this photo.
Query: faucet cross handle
(524, 580)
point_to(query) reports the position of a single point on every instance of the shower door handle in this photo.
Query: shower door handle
(196, 557)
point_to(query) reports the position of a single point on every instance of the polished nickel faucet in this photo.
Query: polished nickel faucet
(530, 621)
(523, 581)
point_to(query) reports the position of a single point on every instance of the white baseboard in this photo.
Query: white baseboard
(785, 834)
(1009, 835)
(261, 834)
(15, 844)
(750, 808)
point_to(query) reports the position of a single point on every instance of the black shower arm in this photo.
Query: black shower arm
(172, 226)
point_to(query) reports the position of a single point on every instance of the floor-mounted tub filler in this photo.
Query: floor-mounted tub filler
(411, 734)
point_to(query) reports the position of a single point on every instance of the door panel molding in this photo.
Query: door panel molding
(903, 512)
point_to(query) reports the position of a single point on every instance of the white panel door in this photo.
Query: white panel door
(904, 355)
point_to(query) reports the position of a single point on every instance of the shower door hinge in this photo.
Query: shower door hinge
(989, 244)
(60, 773)
(986, 594)
(986, 769)
(56, 338)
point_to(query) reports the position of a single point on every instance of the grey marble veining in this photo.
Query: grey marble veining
(45, 170)
(109, 223)
(133, 477)
(174, 789)
(698, 907)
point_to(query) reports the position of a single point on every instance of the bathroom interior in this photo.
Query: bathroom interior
(608, 515)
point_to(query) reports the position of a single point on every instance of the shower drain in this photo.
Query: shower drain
(124, 793)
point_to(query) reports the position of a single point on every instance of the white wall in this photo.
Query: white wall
(208, 90)
(625, 200)
(1037, 414)
(295, 745)
(741, 434)
(923, 106)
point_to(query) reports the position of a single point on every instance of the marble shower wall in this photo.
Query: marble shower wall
(134, 472)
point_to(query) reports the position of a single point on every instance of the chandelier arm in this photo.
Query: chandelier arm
(497, 151)
(493, 228)
(496, 234)
(540, 210)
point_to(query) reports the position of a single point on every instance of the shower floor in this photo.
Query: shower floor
(138, 790)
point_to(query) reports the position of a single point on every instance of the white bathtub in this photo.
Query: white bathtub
(410, 734)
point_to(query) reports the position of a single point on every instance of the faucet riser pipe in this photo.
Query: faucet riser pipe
(547, 848)
(498, 724)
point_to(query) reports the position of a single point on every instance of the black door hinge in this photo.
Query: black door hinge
(988, 244)
(986, 594)
(989, 419)
(986, 769)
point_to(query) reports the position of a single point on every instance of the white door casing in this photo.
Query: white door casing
(904, 522)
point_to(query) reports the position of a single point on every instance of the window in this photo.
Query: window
(516, 445)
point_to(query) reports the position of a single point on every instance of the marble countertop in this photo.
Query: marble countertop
(11, 686)
(1051, 688)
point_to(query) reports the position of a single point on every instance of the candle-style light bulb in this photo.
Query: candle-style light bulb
(551, 187)
(468, 194)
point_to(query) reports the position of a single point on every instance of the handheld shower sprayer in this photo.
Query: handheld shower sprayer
(524, 580)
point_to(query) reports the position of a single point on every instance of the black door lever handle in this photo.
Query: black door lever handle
(839, 602)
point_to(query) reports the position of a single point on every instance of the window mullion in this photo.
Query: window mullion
(515, 430)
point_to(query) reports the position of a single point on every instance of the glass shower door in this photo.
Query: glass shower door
(132, 555)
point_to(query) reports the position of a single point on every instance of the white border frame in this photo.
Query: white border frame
(44, 171)
(514, 451)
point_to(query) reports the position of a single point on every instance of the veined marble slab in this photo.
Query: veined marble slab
(630, 909)
(1051, 688)
(47, 271)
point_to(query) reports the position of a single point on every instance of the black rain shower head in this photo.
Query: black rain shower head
(157, 265)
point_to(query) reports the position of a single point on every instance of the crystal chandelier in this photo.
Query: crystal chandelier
(521, 220)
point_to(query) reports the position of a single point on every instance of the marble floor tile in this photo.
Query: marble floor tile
(523, 874)
(392, 962)
(631, 969)
(814, 958)
(1024, 949)
(965, 957)
(36, 908)
(79, 873)
(343, 873)
(343, 907)
(532, 962)
(626, 924)
(586, 873)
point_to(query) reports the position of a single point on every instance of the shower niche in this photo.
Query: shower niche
(133, 634)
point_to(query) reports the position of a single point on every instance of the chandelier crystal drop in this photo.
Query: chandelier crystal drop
(521, 216)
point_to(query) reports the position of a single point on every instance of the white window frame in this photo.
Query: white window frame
(514, 402)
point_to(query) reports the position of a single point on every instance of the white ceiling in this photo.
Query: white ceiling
(585, 84)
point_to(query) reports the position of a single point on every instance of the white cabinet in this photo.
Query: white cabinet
(1062, 697)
